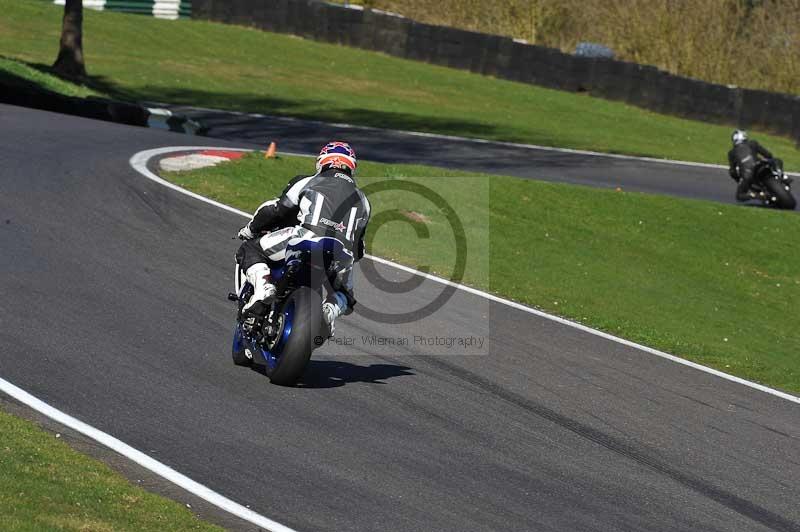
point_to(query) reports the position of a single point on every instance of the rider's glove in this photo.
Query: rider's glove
(245, 233)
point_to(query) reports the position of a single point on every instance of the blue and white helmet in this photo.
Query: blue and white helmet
(338, 155)
(738, 137)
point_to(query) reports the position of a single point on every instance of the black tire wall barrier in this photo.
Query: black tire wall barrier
(640, 85)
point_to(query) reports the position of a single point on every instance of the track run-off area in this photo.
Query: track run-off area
(115, 313)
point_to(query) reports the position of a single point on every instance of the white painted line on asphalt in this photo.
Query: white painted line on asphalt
(139, 163)
(440, 136)
(595, 332)
(142, 459)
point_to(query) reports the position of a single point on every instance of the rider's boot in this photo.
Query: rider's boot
(744, 192)
(332, 309)
(263, 293)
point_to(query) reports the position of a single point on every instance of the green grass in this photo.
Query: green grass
(46, 485)
(716, 284)
(215, 65)
(21, 74)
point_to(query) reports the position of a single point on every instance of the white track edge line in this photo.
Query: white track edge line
(142, 459)
(139, 163)
(476, 140)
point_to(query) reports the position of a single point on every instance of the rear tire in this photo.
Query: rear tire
(306, 327)
(783, 197)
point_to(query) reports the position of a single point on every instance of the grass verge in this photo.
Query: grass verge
(21, 75)
(215, 65)
(713, 283)
(46, 485)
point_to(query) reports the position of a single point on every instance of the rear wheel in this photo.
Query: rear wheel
(239, 351)
(779, 194)
(300, 331)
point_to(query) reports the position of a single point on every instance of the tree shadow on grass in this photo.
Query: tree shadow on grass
(319, 109)
(98, 84)
(237, 102)
(8, 79)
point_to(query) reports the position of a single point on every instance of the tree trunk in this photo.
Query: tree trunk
(69, 63)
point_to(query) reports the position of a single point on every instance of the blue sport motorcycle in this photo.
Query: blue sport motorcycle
(282, 341)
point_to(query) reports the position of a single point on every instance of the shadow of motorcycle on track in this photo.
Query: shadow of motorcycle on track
(336, 373)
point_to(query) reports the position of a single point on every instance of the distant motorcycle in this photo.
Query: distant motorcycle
(283, 340)
(772, 185)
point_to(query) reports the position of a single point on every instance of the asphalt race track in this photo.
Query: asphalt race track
(494, 158)
(114, 311)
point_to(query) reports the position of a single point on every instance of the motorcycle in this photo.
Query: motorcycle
(772, 185)
(282, 341)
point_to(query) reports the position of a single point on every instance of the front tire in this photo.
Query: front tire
(779, 194)
(303, 311)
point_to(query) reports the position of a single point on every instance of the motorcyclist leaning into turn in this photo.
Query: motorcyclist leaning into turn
(309, 208)
(743, 158)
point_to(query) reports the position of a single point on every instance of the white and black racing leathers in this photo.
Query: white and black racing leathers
(328, 204)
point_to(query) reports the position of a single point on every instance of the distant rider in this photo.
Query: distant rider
(326, 204)
(743, 158)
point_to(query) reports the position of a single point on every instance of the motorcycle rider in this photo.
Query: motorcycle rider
(742, 159)
(326, 204)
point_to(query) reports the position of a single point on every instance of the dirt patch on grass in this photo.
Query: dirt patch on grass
(416, 217)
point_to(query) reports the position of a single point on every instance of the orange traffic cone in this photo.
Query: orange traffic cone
(271, 151)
